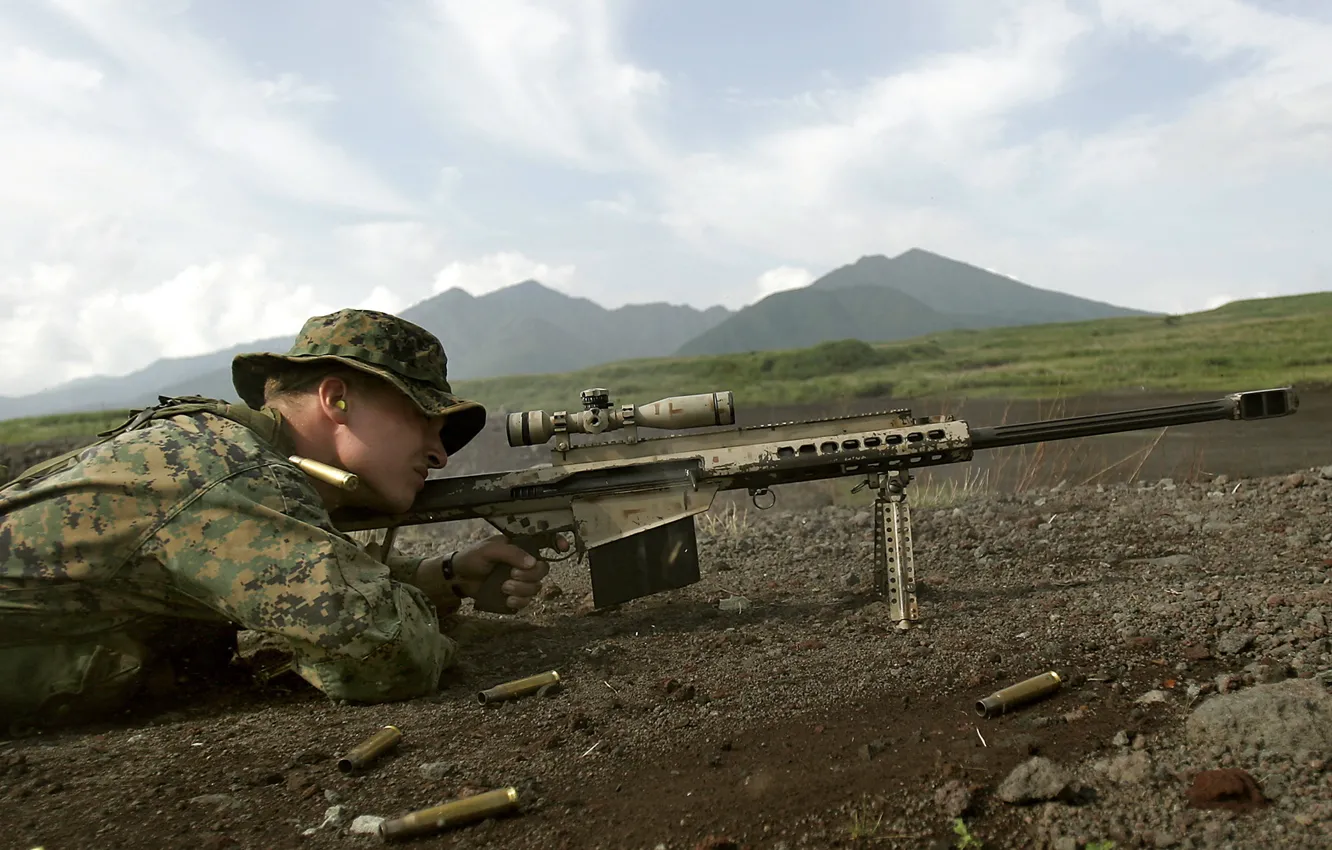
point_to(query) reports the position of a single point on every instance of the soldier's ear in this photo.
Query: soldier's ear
(332, 393)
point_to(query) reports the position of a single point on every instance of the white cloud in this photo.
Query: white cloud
(783, 278)
(290, 88)
(539, 78)
(165, 191)
(939, 156)
(495, 271)
(148, 185)
(862, 175)
(77, 329)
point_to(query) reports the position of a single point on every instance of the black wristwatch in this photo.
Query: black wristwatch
(446, 570)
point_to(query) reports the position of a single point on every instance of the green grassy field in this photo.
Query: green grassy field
(1243, 345)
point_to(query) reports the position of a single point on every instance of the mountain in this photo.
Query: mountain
(524, 328)
(134, 389)
(799, 318)
(878, 299)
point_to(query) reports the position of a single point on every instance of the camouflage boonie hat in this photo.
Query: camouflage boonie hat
(407, 356)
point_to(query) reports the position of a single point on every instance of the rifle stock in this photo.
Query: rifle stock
(629, 504)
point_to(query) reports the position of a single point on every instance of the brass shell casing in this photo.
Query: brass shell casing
(518, 687)
(370, 749)
(1021, 693)
(340, 478)
(453, 813)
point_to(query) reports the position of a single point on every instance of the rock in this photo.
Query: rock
(1291, 718)
(1295, 479)
(366, 824)
(1151, 697)
(220, 801)
(1122, 738)
(1268, 672)
(1227, 788)
(733, 603)
(335, 816)
(1325, 472)
(872, 749)
(1035, 780)
(1197, 652)
(436, 770)
(953, 799)
(1233, 642)
(1129, 769)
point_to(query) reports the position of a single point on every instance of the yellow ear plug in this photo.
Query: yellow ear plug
(342, 405)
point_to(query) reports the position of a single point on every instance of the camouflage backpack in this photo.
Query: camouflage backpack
(266, 425)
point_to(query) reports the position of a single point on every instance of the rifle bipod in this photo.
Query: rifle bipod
(894, 565)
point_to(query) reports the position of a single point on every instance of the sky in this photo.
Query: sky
(177, 177)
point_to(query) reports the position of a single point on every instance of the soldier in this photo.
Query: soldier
(144, 553)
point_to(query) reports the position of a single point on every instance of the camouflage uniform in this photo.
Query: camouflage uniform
(190, 522)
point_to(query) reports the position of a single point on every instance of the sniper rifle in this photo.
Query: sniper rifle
(629, 503)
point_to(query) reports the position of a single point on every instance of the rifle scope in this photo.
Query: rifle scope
(534, 427)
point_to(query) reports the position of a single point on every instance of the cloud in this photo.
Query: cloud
(160, 200)
(79, 329)
(781, 279)
(499, 270)
(163, 181)
(961, 152)
(883, 165)
(545, 80)
(290, 88)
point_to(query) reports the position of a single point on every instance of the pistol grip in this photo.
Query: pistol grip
(491, 598)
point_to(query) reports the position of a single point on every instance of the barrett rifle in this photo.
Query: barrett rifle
(629, 501)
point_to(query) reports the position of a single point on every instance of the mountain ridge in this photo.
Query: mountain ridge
(530, 328)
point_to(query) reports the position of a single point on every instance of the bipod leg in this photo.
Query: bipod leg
(894, 563)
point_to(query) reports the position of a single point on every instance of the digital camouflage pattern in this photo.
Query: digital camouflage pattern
(406, 355)
(195, 517)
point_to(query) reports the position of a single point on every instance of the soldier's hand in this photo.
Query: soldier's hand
(522, 579)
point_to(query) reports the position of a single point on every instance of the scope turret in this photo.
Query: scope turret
(534, 427)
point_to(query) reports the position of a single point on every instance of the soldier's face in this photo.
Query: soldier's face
(390, 445)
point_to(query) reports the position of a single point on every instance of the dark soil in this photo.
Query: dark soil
(801, 717)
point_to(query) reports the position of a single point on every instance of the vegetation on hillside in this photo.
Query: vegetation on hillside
(1243, 345)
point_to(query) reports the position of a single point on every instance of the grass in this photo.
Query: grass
(1242, 345)
(34, 428)
(965, 840)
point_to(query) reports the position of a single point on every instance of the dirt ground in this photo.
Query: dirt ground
(773, 705)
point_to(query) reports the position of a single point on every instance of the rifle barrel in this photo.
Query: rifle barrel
(1255, 404)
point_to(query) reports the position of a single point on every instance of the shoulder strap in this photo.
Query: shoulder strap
(267, 423)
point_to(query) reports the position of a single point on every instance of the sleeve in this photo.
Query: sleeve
(259, 549)
(403, 567)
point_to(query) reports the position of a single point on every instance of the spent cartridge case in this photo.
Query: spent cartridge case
(453, 813)
(519, 687)
(340, 478)
(370, 749)
(1015, 695)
